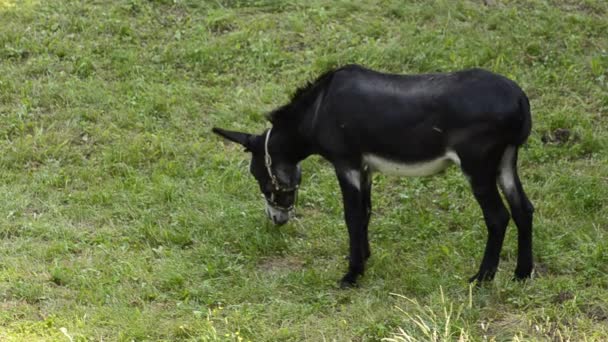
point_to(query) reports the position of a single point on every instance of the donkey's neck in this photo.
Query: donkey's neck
(297, 132)
(290, 143)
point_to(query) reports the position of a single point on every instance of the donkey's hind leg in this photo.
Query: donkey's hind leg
(482, 176)
(521, 211)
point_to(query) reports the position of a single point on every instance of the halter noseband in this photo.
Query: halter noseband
(275, 181)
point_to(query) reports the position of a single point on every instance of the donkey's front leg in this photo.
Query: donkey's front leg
(356, 220)
(366, 192)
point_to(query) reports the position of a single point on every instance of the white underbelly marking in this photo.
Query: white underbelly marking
(423, 168)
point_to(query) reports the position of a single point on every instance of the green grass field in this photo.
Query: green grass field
(123, 218)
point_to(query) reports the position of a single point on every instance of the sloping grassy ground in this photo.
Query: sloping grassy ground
(123, 218)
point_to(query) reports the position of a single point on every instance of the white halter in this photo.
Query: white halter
(268, 162)
(274, 180)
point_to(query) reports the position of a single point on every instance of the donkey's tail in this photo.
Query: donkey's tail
(526, 126)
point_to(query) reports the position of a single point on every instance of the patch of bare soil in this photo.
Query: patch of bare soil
(597, 313)
(559, 136)
(281, 264)
(562, 297)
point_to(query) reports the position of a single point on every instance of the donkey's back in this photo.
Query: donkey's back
(417, 117)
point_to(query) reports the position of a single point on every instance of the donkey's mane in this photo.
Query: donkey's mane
(301, 98)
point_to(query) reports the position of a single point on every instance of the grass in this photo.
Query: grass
(123, 218)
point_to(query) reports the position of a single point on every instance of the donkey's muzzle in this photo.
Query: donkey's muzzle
(278, 216)
(280, 205)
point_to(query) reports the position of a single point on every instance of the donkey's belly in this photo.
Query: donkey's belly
(419, 168)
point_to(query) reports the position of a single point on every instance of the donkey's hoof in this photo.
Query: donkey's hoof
(349, 281)
(522, 275)
(481, 277)
(347, 285)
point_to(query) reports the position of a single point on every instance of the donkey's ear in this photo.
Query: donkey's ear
(244, 139)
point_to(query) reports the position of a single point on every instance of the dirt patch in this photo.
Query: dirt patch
(571, 6)
(559, 136)
(597, 313)
(11, 304)
(281, 264)
(540, 269)
(562, 297)
(498, 326)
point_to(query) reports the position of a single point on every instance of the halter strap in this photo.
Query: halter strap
(273, 178)
(268, 162)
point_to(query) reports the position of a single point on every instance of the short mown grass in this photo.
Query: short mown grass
(123, 218)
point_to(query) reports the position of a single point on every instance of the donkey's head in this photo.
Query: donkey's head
(277, 175)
